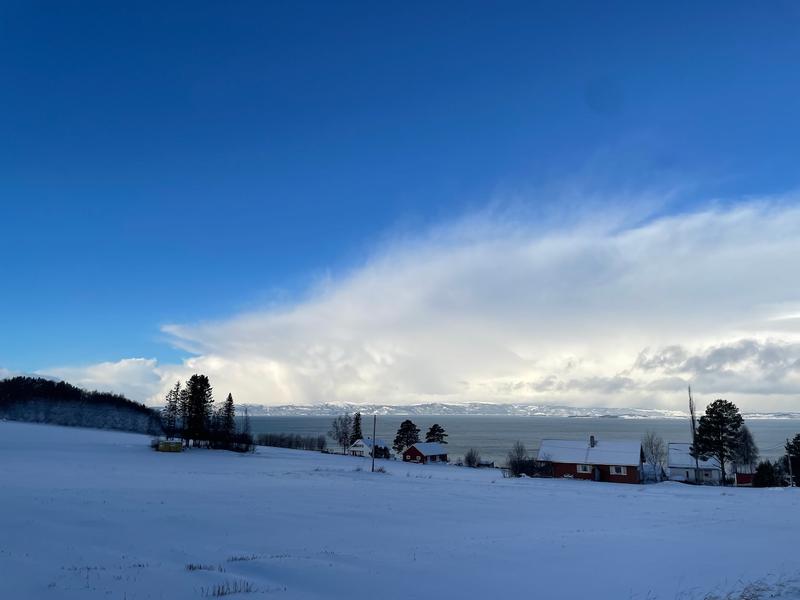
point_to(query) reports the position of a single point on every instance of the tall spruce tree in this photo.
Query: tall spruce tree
(170, 412)
(183, 411)
(199, 403)
(436, 434)
(355, 433)
(407, 435)
(718, 433)
(228, 420)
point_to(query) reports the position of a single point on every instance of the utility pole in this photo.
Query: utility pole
(694, 436)
(374, 425)
(789, 460)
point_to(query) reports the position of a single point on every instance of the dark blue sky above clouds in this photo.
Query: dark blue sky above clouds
(167, 162)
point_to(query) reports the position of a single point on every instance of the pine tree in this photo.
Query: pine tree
(183, 411)
(170, 412)
(436, 434)
(718, 433)
(407, 435)
(356, 434)
(228, 420)
(200, 401)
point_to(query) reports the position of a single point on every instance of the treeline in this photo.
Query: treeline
(408, 435)
(293, 440)
(38, 400)
(189, 414)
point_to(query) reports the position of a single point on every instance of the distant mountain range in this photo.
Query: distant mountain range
(486, 409)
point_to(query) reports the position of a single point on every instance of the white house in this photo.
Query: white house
(363, 447)
(682, 466)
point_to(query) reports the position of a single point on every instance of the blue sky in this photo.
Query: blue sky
(185, 163)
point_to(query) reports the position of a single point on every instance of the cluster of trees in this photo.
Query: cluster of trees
(38, 400)
(189, 413)
(781, 472)
(721, 434)
(408, 435)
(346, 430)
(293, 440)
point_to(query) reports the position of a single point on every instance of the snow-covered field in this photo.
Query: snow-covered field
(93, 514)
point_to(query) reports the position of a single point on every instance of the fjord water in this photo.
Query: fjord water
(493, 436)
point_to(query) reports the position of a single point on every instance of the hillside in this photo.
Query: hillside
(57, 402)
(94, 514)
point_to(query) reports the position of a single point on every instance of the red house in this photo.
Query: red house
(425, 452)
(614, 461)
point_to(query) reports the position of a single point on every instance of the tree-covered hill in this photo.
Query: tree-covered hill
(44, 401)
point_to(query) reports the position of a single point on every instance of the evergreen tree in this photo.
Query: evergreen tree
(228, 420)
(407, 435)
(356, 434)
(200, 402)
(718, 433)
(766, 475)
(436, 434)
(183, 411)
(170, 412)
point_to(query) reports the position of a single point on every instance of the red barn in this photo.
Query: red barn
(425, 452)
(614, 461)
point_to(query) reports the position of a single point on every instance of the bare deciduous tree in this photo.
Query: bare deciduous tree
(517, 459)
(472, 458)
(655, 453)
(341, 430)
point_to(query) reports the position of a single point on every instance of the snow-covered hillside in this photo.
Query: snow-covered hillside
(91, 514)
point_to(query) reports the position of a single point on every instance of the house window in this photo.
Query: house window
(619, 470)
(433, 459)
(584, 468)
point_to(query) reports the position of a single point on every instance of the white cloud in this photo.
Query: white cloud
(136, 378)
(487, 309)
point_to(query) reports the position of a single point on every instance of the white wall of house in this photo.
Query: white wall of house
(687, 474)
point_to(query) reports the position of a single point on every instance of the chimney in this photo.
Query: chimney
(592, 441)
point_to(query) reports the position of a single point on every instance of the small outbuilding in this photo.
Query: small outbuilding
(683, 467)
(169, 446)
(363, 447)
(599, 460)
(425, 452)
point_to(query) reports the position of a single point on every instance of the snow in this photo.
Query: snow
(88, 514)
(679, 457)
(604, 452)
(430, 448)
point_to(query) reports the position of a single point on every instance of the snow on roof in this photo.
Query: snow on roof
(430, 448)
(367, 441)
(679, 458)
(623, 453)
